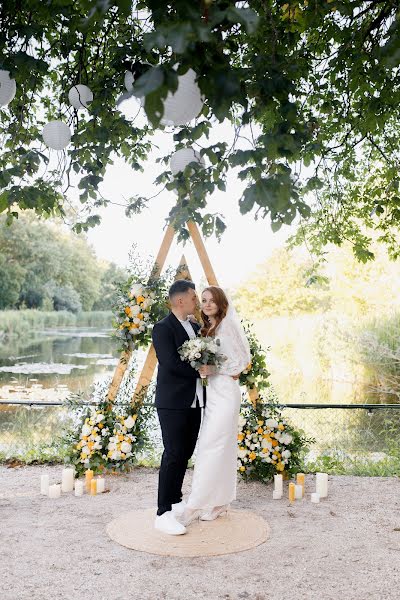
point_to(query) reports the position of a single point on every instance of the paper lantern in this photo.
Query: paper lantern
(80, 96)
(183, 157)
(185, 103)
(128, 80)
(8, 88)
(56, 135)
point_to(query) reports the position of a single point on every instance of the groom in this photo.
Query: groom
(178, 403)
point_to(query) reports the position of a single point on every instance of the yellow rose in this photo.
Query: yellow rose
(252, 455)
(242, 469)
(281, 427)
(140, 299)
(101, 425)
(260, 422)
(274, 442)
(259, 430)
(265, 450)
(127, 310)
(240, 437)
(280, 466)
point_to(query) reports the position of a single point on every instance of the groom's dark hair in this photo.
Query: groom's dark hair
(181, 286)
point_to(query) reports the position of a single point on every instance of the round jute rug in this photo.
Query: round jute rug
(235, 531)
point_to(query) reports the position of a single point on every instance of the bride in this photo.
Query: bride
(214, 477)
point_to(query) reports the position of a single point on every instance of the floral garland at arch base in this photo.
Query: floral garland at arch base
(267, 443)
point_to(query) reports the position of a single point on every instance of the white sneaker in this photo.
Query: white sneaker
(167, 523)
(178, 508)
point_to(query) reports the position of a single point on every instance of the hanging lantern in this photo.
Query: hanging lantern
(56, 135)
(185, 103)
(128, 80)
(80, 96)
(8, 88)
(183, 157)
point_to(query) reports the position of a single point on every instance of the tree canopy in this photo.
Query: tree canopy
(312, 85)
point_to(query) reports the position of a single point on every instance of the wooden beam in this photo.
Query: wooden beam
(202, 253)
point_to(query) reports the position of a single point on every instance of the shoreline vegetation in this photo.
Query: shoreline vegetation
(17, 324)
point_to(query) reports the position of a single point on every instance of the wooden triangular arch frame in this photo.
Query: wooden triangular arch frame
(182, 273)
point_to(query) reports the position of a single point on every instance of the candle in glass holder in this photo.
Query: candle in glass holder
(100, 485)
(88, 479)
(291, 490)
(314, 498)
(93, 487)
(44, 484)
(278, 483)
(300, 480)
(298, 492)
(67, 479)
(321, 481)
(276, 495)
(78, 488)
(55, 491)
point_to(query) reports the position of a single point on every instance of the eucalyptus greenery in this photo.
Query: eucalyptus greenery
(313, 86)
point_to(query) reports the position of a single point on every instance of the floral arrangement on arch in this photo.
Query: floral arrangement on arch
(142, 301)
(106, 436)
(256, 374)
(267, 442)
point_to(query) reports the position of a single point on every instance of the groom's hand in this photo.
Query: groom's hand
(207, 370)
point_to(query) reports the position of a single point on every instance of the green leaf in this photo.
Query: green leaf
(148, 82)
(245, 16)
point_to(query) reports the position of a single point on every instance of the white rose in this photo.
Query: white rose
(266, 444)
(271, 423)
(86, 430)
(286, 454)
(242, 421)
(137, 289)
(129, 422)
(126, 447)
(116, 455)
(135, 309)
(99, 418)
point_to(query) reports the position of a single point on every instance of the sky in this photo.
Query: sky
(245, 244)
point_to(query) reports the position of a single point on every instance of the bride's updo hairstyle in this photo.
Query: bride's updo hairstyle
(222, 303)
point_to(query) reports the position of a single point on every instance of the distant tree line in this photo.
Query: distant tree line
(45, 266)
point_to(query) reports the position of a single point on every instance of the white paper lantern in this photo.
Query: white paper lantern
(128, 80)
(80, 96)
(183, 157)
(56, 135)
(185, 103)
(8, 88)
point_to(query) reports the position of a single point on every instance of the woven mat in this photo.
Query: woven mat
(235, 531)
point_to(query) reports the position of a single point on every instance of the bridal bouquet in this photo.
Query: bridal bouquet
(202, 351)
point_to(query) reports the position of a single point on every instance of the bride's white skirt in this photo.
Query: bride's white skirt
(214, 477)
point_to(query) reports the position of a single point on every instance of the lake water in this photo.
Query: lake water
(72, 358)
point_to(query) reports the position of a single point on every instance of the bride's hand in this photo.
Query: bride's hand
(207, 370)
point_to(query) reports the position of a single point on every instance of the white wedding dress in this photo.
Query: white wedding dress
(214, 476)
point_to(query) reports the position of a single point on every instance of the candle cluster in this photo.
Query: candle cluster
(68, 484)
(296, 490)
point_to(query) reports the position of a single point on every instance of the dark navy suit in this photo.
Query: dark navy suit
(175, 393)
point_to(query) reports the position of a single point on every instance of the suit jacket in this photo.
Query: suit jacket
(176, 379)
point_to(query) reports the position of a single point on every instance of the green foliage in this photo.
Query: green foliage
(43, 265)
(316, 81)
(256, 374)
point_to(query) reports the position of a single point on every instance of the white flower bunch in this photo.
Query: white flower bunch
(135, 318)
(201, 351)
(265, 440)
(120, 443)
(91, 438)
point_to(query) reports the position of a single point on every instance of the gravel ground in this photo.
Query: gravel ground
(347, 547)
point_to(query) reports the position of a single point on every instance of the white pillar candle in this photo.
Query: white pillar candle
(321, 482)
(278, 483)
(67, 479)
(44, 484)
(276, 495)
(78, 488)
(315, 498)
(55, 490)
(100, 485)
(298, 492)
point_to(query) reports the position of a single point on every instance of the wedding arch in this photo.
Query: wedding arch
(183, 272)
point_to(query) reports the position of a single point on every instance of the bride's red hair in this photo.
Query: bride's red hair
(222, 303)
